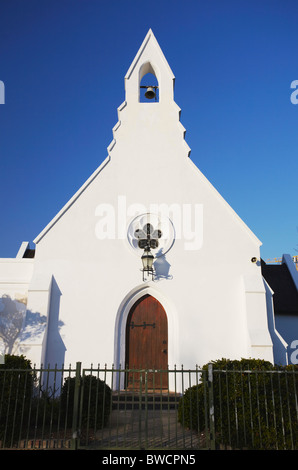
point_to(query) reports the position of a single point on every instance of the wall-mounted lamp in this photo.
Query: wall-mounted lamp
(147, 240)
(147, 260)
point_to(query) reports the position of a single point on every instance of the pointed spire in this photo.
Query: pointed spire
(151, 43)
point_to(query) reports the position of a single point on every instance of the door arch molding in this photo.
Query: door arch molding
(121, 319)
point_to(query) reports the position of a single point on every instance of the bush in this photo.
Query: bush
(254, 410)
(16, 388)
(96, 401)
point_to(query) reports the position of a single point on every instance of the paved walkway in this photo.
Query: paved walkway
(140, 429)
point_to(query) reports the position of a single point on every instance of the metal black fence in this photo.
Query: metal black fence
(108, 408)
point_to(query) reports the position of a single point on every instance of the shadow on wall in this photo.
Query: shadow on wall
(162, 268)
(20, 327)
(18, 324)
(11, 321)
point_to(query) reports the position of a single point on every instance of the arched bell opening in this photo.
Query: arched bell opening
(149, 87)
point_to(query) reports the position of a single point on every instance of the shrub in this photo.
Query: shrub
(95, 402)
(16, 388)
(254, 410)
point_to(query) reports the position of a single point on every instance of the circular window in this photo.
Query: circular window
(151, 230)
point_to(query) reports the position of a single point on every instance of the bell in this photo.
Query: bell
(150, 93)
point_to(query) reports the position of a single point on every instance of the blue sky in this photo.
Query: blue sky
(63, 64)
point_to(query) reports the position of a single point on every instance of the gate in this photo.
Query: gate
(143, 416)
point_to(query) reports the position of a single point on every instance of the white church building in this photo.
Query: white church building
(136, 274)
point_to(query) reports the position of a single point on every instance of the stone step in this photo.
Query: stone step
(149, 401)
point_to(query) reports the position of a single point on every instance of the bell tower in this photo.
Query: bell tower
(148, 128)
(150, 59)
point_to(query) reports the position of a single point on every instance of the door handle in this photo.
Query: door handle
(164, 350)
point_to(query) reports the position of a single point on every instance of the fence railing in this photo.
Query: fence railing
(109, 408)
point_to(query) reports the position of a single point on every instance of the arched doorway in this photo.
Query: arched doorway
(147, 344)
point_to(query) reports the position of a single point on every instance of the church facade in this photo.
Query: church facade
(147, 265)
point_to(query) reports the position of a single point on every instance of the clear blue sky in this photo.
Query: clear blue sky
(63, 64)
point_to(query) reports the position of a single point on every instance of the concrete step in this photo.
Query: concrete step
(150, 401)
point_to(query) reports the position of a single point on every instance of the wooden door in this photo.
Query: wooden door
(147, 344)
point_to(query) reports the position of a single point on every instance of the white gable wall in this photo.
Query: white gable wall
(214, 296)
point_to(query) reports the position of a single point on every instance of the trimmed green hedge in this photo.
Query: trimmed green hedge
(16, 390)
(96, 403)
(257, 410)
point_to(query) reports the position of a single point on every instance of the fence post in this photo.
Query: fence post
(211, 407)
(76, 403)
